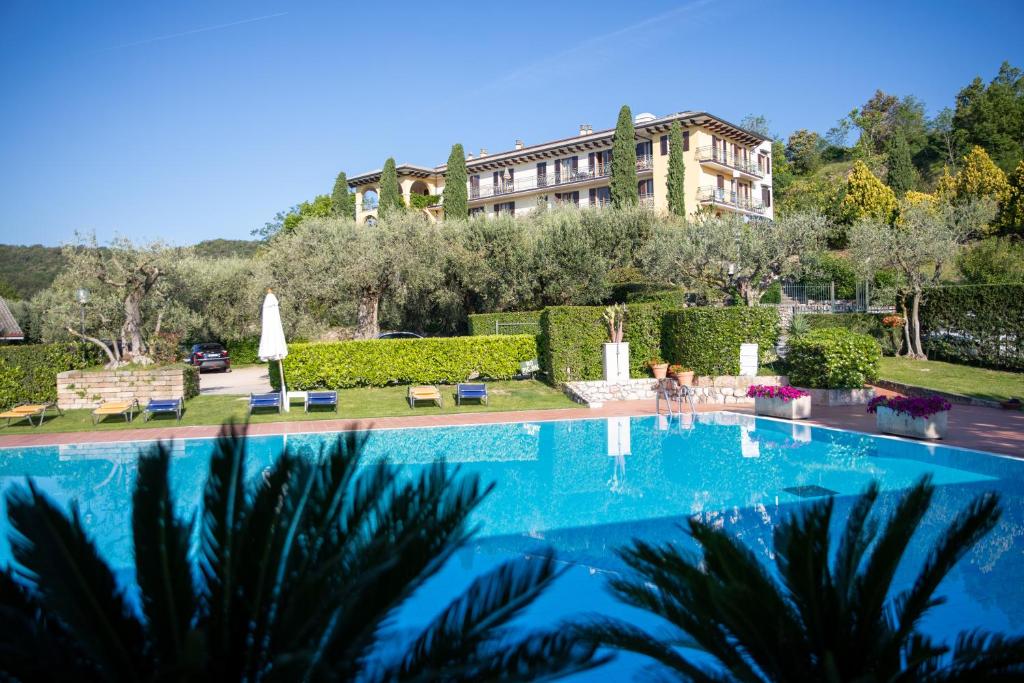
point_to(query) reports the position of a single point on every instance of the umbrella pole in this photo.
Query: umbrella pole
(285, 403)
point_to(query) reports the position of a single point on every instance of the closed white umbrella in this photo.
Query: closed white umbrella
(272, 343)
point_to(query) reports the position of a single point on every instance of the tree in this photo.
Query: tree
(1011, 212)
(901, 175)
(757, 123)
(867, 197)
(676, 171)
(390, 200)
(624, 190)
(732, 256)
(455, 196)
(296, 577)
(812, 619)
(803, 149)
(992, 261)
(343, 202)
(782, 172)
(992, 117)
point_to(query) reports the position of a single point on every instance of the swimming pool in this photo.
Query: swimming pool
(586, 487)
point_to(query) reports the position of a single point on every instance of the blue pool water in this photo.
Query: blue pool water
(586, 487)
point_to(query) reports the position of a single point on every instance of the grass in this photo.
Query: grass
(352, 403)
(956, 379)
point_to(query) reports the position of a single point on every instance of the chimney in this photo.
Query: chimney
(583, 129)
(469, 157)
(483, 152)
(519, 144)
(590, 129)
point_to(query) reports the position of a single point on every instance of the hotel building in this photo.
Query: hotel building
(728, 170)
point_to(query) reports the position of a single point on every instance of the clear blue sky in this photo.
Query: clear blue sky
(192, 120)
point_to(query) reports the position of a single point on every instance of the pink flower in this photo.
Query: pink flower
(787, 394)
(914, 406)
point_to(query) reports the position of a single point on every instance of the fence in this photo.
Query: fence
(820, 297)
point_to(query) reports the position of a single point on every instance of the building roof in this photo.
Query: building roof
(10, 330)
(578, 143)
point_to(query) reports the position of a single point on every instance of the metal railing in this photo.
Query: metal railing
(717, 195)
(726, 158)
(552, 179)
(368, 206)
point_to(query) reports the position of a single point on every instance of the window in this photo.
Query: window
(644, 149)
(476, 211)
(505, 207)
(645, 188)
(474, 186)
(664, 145)
(686, 141)
(542, 174)
(766, 196)
(567, 198)
(600, 163)
(600, 196)
(567, 170)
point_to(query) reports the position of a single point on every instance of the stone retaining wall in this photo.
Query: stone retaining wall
(723, 390)
(89, 388)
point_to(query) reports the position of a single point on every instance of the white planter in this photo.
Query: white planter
(793, 409)
(841, 397)
(616, 362)
(890, 422)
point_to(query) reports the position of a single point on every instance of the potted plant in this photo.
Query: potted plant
(682, 375)
(919, 417)
(659, 368)
(789, 403)
(616, 351)
(894, 327)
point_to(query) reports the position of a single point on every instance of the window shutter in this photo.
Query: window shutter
(558, 170)
(593, 196)
(686, 141)
(590, 163)
(664, 145)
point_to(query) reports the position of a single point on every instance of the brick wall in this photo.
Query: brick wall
(89, 388)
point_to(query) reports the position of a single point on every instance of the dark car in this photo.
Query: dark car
(210, 356)
(399, 335)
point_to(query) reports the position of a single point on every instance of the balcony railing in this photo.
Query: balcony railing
(552, 179)
(716, 154)
(715, 195)
(368, 206)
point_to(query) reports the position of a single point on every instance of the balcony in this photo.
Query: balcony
(368, 206)
(552, 179)
(716, 155)
(729, 200)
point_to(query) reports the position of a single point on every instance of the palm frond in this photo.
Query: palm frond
(620, 635)
(58, 560)
(162, 567)
(541, 656)
(857, 537)
(983, 656)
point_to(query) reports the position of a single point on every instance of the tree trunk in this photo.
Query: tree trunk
(915, 308)
(750, 294)
(906, 328)
(133, 326)
(93, 340)
(367, 326)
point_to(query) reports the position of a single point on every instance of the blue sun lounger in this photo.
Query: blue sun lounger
(471, 391)
(264, 401)
(162, 405)
(321, 398)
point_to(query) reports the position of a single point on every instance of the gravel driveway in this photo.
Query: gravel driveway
(239, 382)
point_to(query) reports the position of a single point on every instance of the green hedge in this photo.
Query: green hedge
(975, 324)
(708, 339)
(483, 323)
(833, 358)
(861, 323)
(191, 381)
(572, 339)
(380, 362)
(244, 351)
(28, 374)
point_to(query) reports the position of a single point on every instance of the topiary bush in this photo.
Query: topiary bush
(28, 374)
(975, 324)
(833, 358)
(381, 362)
(708, 339)
(484, 323)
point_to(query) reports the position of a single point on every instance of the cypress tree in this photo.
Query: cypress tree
(390, 198)
(624, 190)
(343, 202)
(455, 196)
(901, 172)
(676, 171)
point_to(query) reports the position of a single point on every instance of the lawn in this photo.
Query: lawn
(955, 379)
(352, 403)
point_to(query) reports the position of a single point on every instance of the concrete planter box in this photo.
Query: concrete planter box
(890, 422)
(616, 362)
(793, 409)
(841, 397)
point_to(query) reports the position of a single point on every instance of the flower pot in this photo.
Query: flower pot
(659, 370)
(934, 426)
(685, 378)
(793, 409)
(616, 362)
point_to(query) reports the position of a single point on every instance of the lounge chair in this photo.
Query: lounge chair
(163, 405)
(321, 398)
(27, 411)
(425, 393)
(257, 401)
(471, 391)
(127, 409)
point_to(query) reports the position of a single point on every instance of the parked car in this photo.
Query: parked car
(209, 356)
(399, 335)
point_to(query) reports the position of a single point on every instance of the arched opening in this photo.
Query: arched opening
(369, 199)
(419, 187)
(371, 221)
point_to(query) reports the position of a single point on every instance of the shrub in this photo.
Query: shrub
(244, 351)
(380, 362)
(978, 325)
(28, 374)
(833, 358)
(828, 267)
(484, 323)
(772, 295)
(572, 339)
(708, 339)
(861, 323)
(191, 378)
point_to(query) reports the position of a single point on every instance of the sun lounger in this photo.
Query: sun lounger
(163, 405)
(127, 409)
(257, 401)
(321, 398)
(424, 393)
(27, 411)
(471, 391)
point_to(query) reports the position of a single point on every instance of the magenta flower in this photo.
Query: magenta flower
(787, 394)
(914, 406)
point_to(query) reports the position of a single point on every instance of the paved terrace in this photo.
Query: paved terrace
(984, 429)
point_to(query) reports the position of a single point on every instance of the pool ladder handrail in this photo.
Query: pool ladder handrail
(671, 390)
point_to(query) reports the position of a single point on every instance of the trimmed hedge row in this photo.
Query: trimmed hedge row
(244, 351)
(28, 374)
(833, 358)
(483, 323)
(861, 323)
(978, 325)
(708, 339)
(572, 338)
(381, 362)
